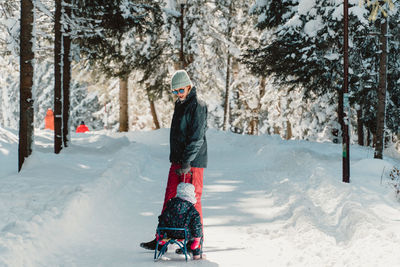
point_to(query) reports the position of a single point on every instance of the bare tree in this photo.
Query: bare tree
(26, 82)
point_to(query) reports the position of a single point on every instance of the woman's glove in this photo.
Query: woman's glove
(185, 168)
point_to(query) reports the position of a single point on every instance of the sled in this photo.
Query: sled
(180, 242)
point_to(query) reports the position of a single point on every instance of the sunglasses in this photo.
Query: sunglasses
(181, 91)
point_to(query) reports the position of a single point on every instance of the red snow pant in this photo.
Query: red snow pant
(174, 179)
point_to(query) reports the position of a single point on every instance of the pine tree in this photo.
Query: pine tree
(383, 66)
(305, 48)
(393, 105)
(111, 43)
(379, 60)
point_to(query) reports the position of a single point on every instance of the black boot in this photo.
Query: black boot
(151, 245)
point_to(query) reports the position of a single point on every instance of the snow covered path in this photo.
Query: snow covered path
(266, 202)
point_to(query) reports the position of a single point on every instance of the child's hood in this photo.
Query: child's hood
(185, 191)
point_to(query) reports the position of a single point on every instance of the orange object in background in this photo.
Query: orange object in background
(82, 128)
(49, 120)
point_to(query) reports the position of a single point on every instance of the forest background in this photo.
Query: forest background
(262, 67)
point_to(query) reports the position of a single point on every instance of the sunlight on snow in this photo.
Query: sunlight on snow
(228, 182)
(4, 151)
(214, 207)
(213, 221)
(83, 166)
(219, 188)
(147, 179)
(263, 207)
(147, 213)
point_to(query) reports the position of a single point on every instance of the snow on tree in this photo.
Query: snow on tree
(292, 88)
(121, 41)
(304, 46)
(9, 63)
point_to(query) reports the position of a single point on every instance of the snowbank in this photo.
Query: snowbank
(267, 202)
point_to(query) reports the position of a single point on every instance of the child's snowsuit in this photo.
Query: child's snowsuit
(181, 213)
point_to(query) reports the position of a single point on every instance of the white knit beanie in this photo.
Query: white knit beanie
(185, 191)
(180, 79)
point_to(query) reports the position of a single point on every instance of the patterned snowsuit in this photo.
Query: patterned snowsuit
(181, 213)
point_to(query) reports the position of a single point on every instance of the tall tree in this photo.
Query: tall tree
(26, 82)
(66, 77)
(382, 88)
(57, 79)
(381, 9)
(229, 26)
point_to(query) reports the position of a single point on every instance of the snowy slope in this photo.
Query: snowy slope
(266, 202)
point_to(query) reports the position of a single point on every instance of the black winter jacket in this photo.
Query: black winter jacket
(181, 213)
(188, 142)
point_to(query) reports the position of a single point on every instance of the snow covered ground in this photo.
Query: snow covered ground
(266, 202)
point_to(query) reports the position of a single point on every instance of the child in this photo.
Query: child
(82, 128)
(180, 213)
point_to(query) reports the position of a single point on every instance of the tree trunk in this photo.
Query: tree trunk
(277, 130)
(153, 110)
(123, 104)
(26, 82)
(360, 127)
(182, 35)
(262, 87)
(227, 87)
(253, 126)
(381, 110)
(57, 79)
(340, 112)
(255, 122)
(228, 71)
(66, 75)
(289, 133)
